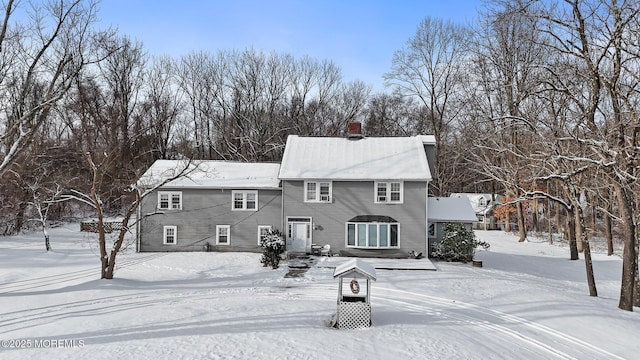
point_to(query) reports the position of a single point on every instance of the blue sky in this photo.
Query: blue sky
(360, 36)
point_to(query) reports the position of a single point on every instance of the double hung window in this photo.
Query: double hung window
(244, 200)
(223, 234)
(317, 191)
(263, 231)
(388, 192)
(170, 200)
(170, 235)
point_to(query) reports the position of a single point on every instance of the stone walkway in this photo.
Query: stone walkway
(298, 266)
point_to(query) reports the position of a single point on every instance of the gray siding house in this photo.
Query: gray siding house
(443, 210)
(362, 196)
(484, 206)
(217, 206)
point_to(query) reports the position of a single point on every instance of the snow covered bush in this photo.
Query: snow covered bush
(273, 247)
(458, 244)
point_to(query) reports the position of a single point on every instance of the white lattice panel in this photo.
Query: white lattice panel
(353, 315)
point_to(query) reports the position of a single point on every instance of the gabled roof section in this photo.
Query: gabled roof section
(212, 174)
(355, 266)
(481, 203)
(369, 158)
(450, 209)
(427, 139)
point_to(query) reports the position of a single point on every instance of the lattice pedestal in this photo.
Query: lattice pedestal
(354, 309)
(353, 315)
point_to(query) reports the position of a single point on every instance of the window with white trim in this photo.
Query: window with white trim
(317, 191)
(170, 200)
(263, 230)
(170, 235)
(389, 192)
(244, 200)
(373, 235)
(223, 234)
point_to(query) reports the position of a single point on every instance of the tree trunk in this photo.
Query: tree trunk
(582, 235)
(20, 218)
(116, 249)
(104, 262)
(594, 220)
(548, 217)
(636, 291)
(110, 268)
(629, 257)
(558, 221)
(571, 228)
(521, 224)
(608, 234)
(579, 229)
(589, 267)
(636, 283)
(534, 216)
(47, 245)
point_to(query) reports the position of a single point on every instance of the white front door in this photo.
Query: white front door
(299, 235)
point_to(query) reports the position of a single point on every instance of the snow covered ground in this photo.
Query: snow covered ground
(527, 302)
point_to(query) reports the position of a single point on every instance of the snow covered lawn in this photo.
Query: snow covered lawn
(527, 302)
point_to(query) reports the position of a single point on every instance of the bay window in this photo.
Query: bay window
(373, 235)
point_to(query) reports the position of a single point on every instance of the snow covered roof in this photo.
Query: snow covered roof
(454, 209)
(212, 174)
(481, 203)
(427, 139)
(369, 158)
(355, 265)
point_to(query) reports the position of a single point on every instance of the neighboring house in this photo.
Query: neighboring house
(218, 206)
(363, 196)
(484, 206)
(443, 210)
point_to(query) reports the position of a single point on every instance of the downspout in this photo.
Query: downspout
(426, 220)
(138, 220)
(282, 219)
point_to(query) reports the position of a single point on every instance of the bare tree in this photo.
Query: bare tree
(43, 200)
(39, 60)
(160, 109)
(591, 69)
(121, 77)
(137, 192)
(241, 105)
(430, 69)
(390, 115)
(508, 58)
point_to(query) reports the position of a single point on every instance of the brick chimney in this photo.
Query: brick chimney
(355, 131)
